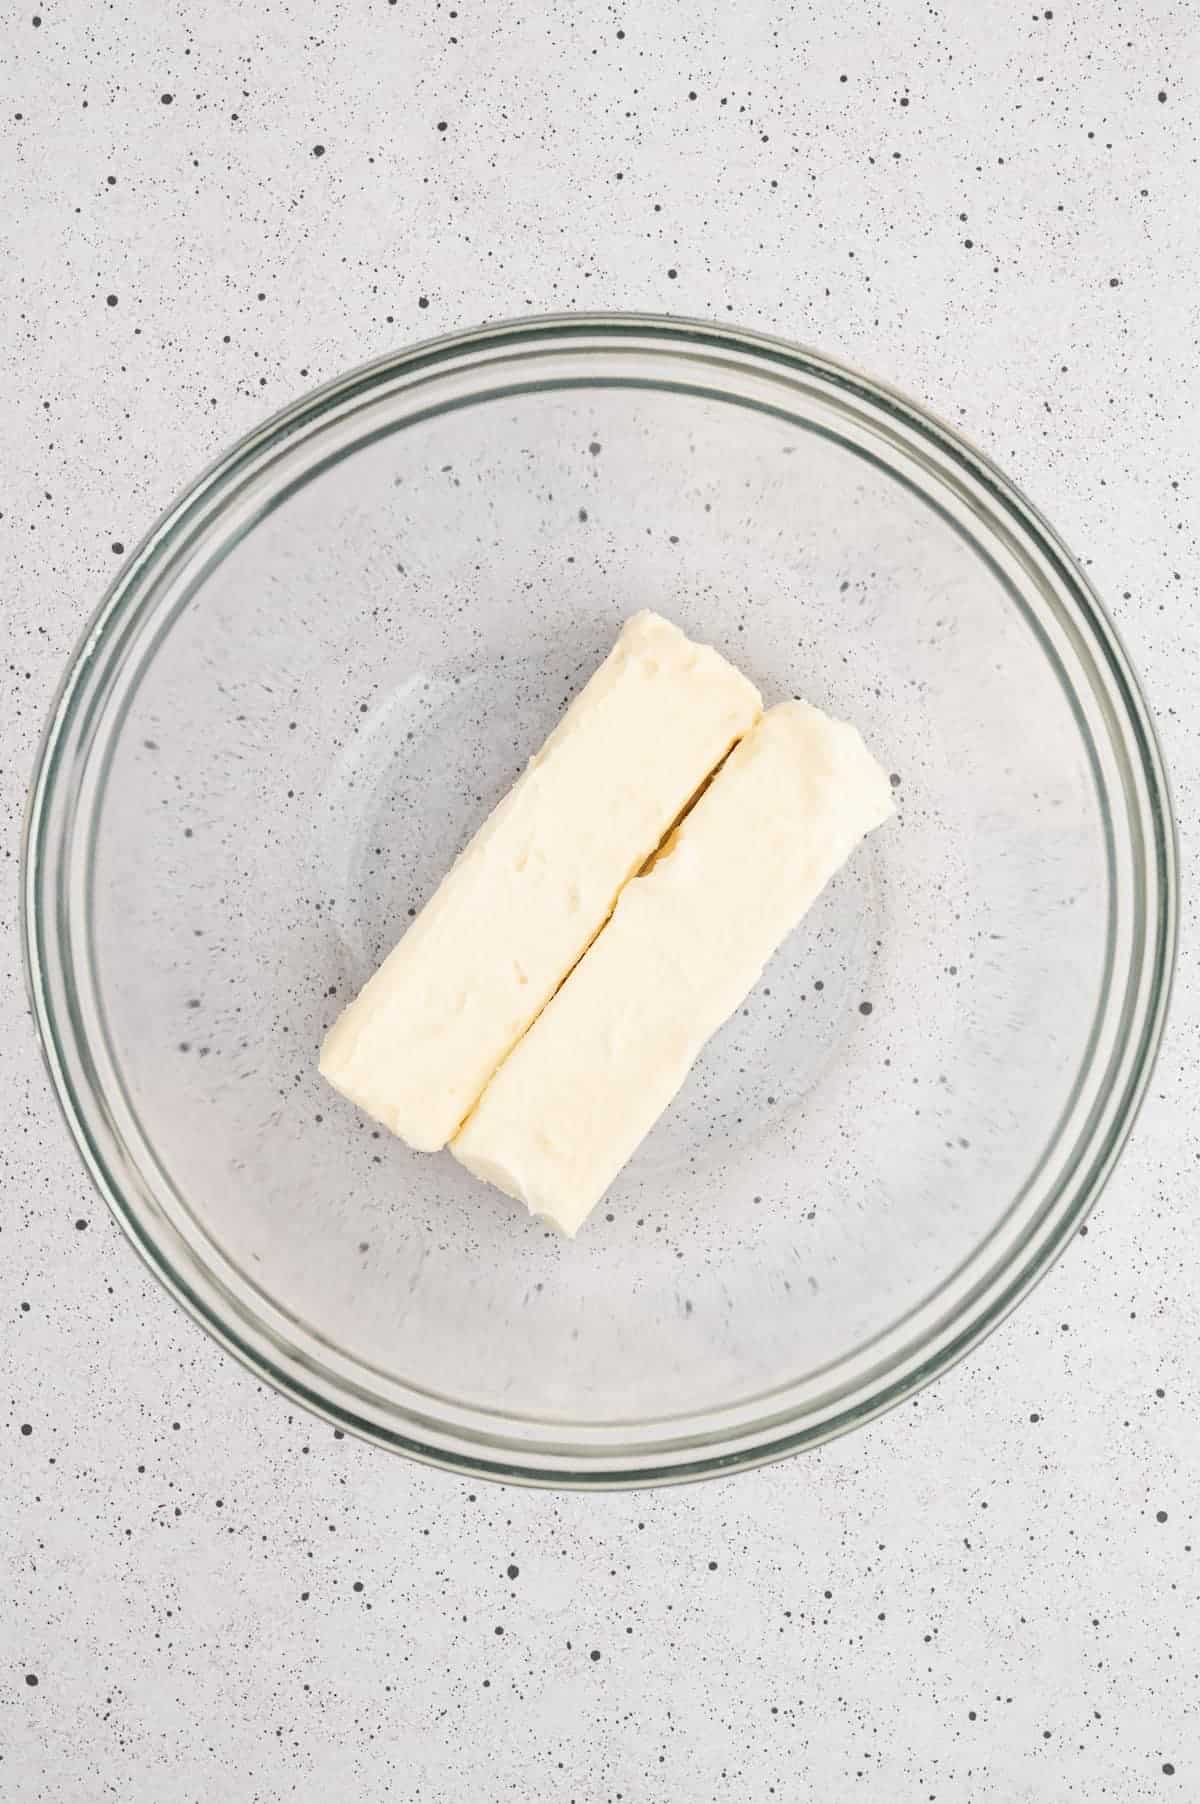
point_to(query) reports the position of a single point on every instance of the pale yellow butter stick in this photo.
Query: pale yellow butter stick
(522, 902)
(686, 944)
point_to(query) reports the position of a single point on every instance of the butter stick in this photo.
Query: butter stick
(686, 944)
(522, 902)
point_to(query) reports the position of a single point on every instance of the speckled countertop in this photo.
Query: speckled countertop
(993, 1594)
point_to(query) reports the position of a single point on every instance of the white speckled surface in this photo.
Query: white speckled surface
(990, 1596)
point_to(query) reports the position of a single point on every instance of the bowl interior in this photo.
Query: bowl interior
(354, 677)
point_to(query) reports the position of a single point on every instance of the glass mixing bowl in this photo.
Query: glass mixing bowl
(320, 671)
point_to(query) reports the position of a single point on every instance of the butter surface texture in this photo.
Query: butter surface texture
(539, 879)
(687, 942)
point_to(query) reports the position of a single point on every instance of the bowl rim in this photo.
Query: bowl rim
(45, 905)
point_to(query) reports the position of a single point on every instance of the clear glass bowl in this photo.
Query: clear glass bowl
(319, 672)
